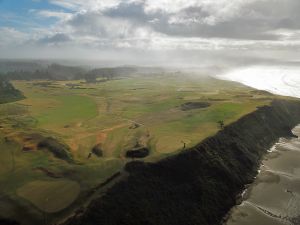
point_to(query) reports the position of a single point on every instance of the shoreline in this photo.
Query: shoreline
(221, 164)
(245, 194)
(272, 178)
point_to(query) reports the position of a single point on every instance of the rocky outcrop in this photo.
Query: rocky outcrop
(199, 185)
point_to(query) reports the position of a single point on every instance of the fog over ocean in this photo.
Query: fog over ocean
(281, 80)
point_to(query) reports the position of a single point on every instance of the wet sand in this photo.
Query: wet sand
(274, 197)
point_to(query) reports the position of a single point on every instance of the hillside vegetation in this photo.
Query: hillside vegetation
(7, 92)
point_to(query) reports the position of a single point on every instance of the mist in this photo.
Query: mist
(244, 41)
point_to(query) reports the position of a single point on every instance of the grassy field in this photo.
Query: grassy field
(103, 112)
(118, 115)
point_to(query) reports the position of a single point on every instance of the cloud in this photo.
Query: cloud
(11, 36)
(203, 25)
(56, 14)
(234, 19)
(166, 24)
(54, 39)
(79, 5)
(286, 34)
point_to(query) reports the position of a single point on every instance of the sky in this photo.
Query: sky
(159, 30)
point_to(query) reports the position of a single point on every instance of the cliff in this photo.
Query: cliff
(199, 185)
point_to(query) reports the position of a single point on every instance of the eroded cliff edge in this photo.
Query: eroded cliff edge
(199, 185)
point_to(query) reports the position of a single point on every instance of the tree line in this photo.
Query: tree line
(61, 72)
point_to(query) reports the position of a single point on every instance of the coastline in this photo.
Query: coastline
(199, 185)
(278, 177)
(277, 80)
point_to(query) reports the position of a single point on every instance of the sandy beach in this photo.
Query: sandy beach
(274, 197)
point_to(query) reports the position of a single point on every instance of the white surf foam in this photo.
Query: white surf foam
(275, 79)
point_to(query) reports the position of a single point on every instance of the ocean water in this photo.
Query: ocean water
(282, 80)
(274, 197)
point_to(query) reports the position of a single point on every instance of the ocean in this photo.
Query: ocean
(274, 197)
(281, 80)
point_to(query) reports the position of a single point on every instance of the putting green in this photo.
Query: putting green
(50, 196)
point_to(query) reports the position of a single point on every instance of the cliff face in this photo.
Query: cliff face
(199, 185)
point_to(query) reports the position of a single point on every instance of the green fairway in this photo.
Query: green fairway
(69, 109)
(57, 108)
(103, 112)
